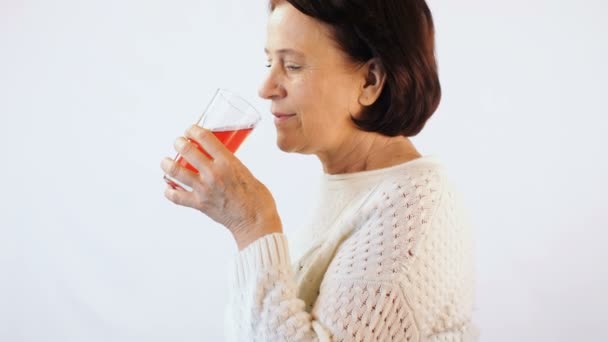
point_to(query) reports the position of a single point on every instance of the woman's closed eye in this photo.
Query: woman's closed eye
(287, 66)
(293, 67)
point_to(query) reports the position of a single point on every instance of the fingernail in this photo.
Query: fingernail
(165, 163)
(191, 129)
(179, 143)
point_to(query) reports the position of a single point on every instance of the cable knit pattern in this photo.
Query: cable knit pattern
(388, 257)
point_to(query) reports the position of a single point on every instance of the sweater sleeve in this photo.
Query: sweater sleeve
(264, 304)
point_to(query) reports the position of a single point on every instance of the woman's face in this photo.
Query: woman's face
(313, 86)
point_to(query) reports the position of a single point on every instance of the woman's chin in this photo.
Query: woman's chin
(284, 145)
(287, 144)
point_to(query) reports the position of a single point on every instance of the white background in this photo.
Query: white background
(93, 94)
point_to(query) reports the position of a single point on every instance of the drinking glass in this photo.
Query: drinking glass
(230, 118)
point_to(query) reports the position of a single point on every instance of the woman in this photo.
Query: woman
(387, 256)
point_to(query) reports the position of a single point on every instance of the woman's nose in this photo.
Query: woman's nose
(270, 89)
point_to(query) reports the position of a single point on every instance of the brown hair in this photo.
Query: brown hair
(401, 35)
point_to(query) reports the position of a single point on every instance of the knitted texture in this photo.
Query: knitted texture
(390, 261)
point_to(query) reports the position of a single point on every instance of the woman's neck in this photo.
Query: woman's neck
(368, 151)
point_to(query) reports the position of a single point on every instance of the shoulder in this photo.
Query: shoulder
(419, 185)
(410, 198)
(405, 209)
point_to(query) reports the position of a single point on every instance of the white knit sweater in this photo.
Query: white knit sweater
(387, 257)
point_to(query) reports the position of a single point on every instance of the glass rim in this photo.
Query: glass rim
(230, 93)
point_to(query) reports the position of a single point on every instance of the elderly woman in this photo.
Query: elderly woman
(388, 254)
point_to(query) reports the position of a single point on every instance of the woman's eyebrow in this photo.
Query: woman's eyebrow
(285, 52)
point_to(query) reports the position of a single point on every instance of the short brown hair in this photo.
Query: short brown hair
(401, 35)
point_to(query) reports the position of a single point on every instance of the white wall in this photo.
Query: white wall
(93, 94)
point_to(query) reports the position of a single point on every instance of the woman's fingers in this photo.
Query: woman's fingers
(179, 172)
(189, 151)
(180, 197)
(209, 142)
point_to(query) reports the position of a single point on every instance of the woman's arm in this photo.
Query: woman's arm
(264, 304)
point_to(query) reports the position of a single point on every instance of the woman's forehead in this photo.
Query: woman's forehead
(292, 31)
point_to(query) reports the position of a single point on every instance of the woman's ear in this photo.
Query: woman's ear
(375, 76)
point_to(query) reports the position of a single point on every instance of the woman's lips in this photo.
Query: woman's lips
(282, 117)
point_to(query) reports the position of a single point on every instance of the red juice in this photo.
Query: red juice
(231, 138)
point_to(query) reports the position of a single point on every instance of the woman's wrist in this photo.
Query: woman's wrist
(248, 235)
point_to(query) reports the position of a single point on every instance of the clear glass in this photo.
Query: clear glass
(230, 118)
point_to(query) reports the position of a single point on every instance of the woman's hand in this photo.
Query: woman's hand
(224, 189)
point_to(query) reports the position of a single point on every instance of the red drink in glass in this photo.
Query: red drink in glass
(231, 138)
(230, 118)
